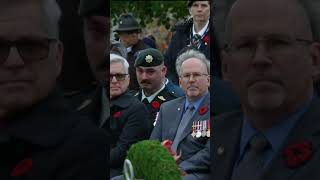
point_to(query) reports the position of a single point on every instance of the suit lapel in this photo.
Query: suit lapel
(225, 150)
(306, 129)
(176, 121)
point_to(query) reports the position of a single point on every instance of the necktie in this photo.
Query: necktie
(196, 41)
(145, 101)
(182, 126)
(253, 161)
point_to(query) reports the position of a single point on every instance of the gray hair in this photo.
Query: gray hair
(191, 53)
(118, 48)
(114, 58)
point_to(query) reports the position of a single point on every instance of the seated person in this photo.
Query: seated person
(128, 116)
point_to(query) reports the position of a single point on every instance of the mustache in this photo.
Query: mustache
(145, 82)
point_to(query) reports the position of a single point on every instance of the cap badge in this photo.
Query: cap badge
(149, 58)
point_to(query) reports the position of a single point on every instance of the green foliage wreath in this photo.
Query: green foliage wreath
(151, 161)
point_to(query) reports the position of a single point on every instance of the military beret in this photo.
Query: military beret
(93, 7)
(148, 58)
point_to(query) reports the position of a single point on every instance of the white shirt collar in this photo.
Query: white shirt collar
(150, 98)
(202, 31)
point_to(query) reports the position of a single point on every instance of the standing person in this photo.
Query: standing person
(129, 117)
(129, 32)
(186, 120)
(40, 137)
(194, 32)
(275, 136)
(94, 102)
(155, 87)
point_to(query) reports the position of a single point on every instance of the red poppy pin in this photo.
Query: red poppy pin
(22, 167)
(155, 104)
(117, 114)
(206, 39)
(297, 154)
(203, 110)
(167, 144)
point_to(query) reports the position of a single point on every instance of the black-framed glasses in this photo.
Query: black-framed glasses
(119, 77)
(195, 76)
(274, 45)
(29, 50)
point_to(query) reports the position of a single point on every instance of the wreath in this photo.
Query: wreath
(151, 161)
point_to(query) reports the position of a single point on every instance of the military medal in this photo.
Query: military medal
(198, 130)
(193, 129)
(204, 129)
(208, 129)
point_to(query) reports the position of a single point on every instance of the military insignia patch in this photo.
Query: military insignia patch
(161, 98)
(149, 59)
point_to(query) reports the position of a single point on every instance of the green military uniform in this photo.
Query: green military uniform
(149, 58)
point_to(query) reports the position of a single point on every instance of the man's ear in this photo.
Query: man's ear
(224, 66)
(59, 57)
(315, 55)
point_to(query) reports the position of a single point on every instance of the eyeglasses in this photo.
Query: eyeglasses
(119, 77)
(274, 45)
(29, 50)
(195, 76)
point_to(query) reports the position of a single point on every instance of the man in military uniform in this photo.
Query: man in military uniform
(129, 33)
(155, 87)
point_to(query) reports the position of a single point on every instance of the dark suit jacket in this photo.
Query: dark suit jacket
(128, 124)
(195, 151)
(226, 135)
(60, 144)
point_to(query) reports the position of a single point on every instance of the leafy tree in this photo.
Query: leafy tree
(163, 12)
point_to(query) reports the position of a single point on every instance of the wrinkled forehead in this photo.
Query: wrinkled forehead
(263, 17)
(22, 20)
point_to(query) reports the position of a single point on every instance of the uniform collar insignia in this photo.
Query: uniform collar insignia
(161, 98)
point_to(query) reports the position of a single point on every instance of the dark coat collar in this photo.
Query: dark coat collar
(122, 101)
(46, 123)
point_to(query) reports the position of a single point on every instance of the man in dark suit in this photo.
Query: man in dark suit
(193, 33)
(93, 101)
(155, 88)
(128, 116)
(40, 138)
(186, 120)
(276, 135)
